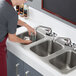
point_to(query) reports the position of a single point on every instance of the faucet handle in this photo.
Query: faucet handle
(68, 41)
(48, 31)
(54, 34)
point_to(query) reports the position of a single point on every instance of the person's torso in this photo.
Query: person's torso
(6, 13)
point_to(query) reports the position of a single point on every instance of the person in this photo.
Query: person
(8, 24)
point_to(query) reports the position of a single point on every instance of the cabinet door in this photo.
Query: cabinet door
(29, 71)
(14, 65)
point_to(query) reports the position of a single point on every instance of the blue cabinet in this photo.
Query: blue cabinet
(29, 71)
(16, 67)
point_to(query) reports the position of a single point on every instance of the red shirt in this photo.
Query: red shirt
(9, 1)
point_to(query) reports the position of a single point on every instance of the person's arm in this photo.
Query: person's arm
(21, 23)
(14, 38)
(30, 29)
(11, 27)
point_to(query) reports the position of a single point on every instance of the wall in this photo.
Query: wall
(37, 5)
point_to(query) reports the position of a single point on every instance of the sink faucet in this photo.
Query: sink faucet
(68, 42)
(74, 46)
(48, 29)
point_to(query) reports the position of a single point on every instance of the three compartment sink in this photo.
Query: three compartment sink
(52, 52)
(46, 48)
(64, 62)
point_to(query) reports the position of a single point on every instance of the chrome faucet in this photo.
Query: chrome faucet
(68, 42)
(48, 30)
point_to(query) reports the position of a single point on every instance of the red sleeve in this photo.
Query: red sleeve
(9, 1)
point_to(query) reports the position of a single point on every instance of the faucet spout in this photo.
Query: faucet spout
(48, 29)
(68, 41)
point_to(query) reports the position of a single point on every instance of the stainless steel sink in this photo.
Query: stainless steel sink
(64, 62)
(52, 51)
(38, 35)
(46, 48)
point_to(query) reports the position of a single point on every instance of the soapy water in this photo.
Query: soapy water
(32, 37)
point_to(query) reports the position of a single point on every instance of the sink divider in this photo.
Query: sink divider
(68, 60)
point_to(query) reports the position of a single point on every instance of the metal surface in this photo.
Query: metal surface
(17, 74)
(64, 62)
(68, 41)
(46, 48)
(48, 29)
(53, 52)
(26, 73)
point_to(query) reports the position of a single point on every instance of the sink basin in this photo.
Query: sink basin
(38, 35)
(64, 62)
(45, 48)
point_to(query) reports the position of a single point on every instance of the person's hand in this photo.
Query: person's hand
(27, 41)
(31, 30)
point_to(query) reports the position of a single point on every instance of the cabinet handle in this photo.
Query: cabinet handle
(17, 69)
(26, 73)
